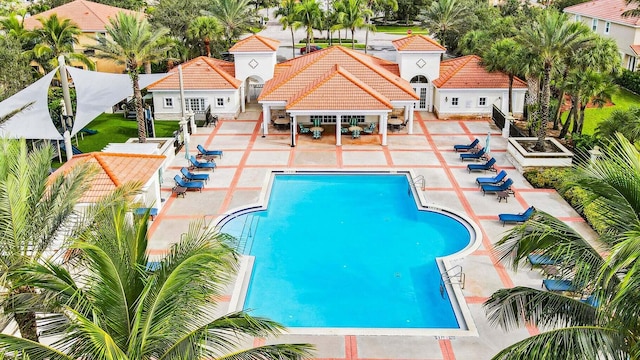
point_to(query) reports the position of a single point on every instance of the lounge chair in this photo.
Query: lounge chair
(369, 129)
(505, 218)
(473, 156)
(473, 145)
(539, 260)
(494, 180)
(303, 129)
(189, 176)
(489, 165)
(153, 212)
(591, 300)
(196, 185)
(505, 186)
(205, 152)
(558, 285)
(195, 164)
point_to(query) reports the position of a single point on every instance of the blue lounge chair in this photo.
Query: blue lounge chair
(205, 152)
(196, 185)
(558, 285)
(303, 129)
(489, 165)
(539, 260)
(505, 186)
(195, 164)
(473, 145)
(369, 129)
(473, 156)
(592, 300)
(505, 218)
(189, 176)
(494, 180)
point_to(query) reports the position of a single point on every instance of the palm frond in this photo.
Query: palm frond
(23, 349)
(275, 351)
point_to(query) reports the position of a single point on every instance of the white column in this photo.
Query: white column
(339, 130)
(266, 118)
(383, 127)
(185, 136)
(294, 127)
(192, 122)
(67, 145)
(507, 124)
(242, 106)
(408, 111)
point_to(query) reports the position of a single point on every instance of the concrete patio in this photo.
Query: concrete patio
(241, 172)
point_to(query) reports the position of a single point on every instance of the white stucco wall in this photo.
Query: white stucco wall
(409, 63)
(469, 101)
(229, 110)
(264, 65)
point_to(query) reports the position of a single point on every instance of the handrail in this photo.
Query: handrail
(420, 179)
(447, 278)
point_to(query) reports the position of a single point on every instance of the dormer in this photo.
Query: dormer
(255, 57)
(418, 55)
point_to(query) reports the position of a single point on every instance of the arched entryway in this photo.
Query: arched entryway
(254, 85)
(422, 87)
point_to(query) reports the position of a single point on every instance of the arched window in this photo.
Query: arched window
(420, 79)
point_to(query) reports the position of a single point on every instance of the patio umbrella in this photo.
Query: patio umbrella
(487, 143)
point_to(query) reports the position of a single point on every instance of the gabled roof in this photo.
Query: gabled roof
(610, 10)
(467, 72)
(201, 73)
(417, 43)
(338, 90)
(255, 43)
(636, 49)
(89, 16)
(380, 75)
(114, 170)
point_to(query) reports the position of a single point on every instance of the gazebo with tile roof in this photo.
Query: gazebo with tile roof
(335, 85)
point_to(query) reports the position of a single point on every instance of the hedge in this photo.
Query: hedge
(630, 80)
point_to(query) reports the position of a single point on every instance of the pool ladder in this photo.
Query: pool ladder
(249, 229)
(451, 277)
(419, 180)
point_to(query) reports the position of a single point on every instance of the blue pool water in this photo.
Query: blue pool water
(349, 251)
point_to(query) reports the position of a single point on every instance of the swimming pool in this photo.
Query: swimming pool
(348, 251)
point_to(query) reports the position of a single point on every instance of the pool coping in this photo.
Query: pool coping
(445, 264)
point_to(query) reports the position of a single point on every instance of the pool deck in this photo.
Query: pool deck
(241, 173)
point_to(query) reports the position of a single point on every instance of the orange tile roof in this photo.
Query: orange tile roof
(298, 73)
(89, 16)
(417, 43)
(636, 48)
(610, 10)
(467, 72)
(114, 170)
(201, 73)
(338, 90)
(255, 43)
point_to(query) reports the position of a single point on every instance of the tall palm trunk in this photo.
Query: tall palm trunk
(309, 33)
(580, 122)
(572, 113)
(353, 45)
(366, 35)
(293, 42)
(137, 95)
(544, 107)
(27, 320)
(207, 46)
(558, 115)
(511, 76)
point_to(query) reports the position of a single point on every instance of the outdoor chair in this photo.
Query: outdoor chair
(189, 176)
(196, 185)
(204, 152)
(505, 186)
(316, 134)
(369, 129)
(195, 164)
(303, 129)
(517, 218)
(355, 134)
(559, 285)
(540, 260)
(473, 145)
(473, 156)
(489, 165)
(495, 180)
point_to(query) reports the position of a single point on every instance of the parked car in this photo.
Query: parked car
(312, 48)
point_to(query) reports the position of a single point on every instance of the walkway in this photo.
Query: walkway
(429, 152)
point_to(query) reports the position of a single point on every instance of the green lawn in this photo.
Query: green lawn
(400, 30)
(623, 99)
(114, 128)
(335, 42)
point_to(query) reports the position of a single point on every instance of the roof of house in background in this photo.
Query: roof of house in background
(636, 48)
(114, 170)
(467, 72)
(89, 16)
(255, 43)
(380, 75)
(417, 43)
(610, 10)
(201, 73)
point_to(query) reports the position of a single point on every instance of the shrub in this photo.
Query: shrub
(630, 80)
(551, 178)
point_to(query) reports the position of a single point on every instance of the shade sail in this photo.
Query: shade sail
(34, 122)
(97, 91)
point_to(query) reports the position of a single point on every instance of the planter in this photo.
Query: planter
(523, 159)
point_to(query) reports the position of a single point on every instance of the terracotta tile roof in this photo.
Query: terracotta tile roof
(610, 10)
(467, 72)
(298, 73)
(417, 43)
(338, 90)
(114, 170)
(255, 43)
(89, 16)
(201, 73)
(636, 48)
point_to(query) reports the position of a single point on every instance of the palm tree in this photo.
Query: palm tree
(352, 15)
(119, 305)
(309, 15)
(505, 56)
(288, 19)
(56, 37)
(552, 36)
(626, 122)
(586, 87)
(236, 17)
(390, 5)
(32, 209)
(204, 28)
(131, 42)
(444, 17)
(579, 330)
